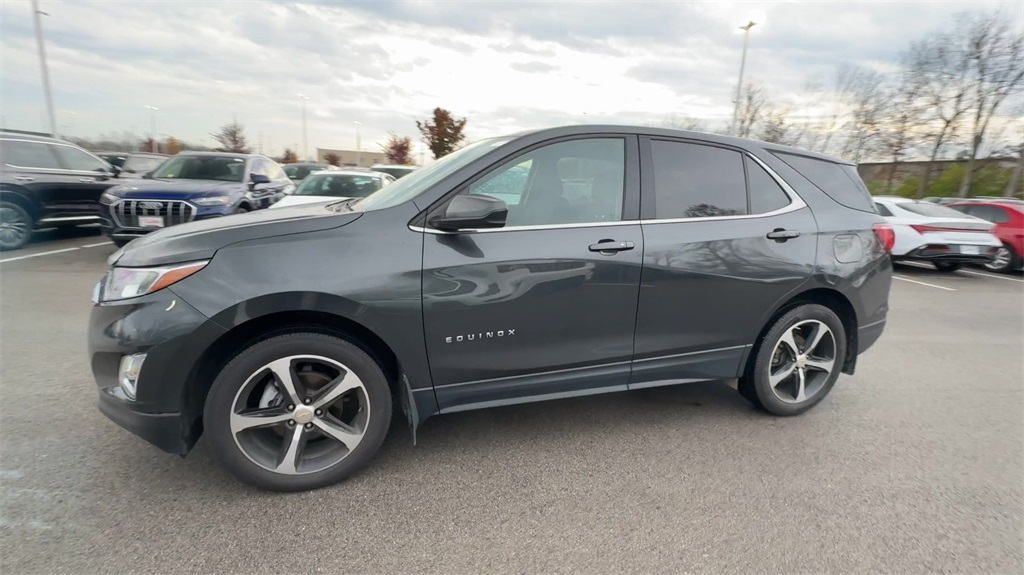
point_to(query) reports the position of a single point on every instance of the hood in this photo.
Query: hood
(174, 189)
(201, 239)
(294, 200)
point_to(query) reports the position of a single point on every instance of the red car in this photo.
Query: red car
(1008, 216)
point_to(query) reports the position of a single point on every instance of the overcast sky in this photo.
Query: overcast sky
(504, 66)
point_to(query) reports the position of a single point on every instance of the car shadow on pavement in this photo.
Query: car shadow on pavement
(549, 426)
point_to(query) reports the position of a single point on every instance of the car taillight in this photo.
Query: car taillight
(922, 229)
(885, 235)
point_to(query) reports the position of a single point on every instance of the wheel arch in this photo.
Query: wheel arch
(18, 195)
(274, 323)
(830, 298)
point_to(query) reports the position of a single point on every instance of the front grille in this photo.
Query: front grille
(126, 212)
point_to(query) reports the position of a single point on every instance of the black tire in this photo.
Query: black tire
(946, 267)
(120, 243)
(242, 209)
(219, 405)
(755, 385)
(15, 226)
(1010, 261)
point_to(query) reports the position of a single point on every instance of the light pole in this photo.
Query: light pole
(305, 134)
(739, 85)
(152, 127)
(36, 13)
(359, 146)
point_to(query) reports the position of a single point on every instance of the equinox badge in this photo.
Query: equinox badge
(480, 335)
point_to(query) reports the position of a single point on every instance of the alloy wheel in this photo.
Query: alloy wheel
(300, 414)
(1001, 260)
(14, 228)
(802, 361)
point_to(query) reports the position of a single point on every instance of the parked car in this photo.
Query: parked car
(395, 170)
(298, 171)
(335, 185)
(632, 258)
(47, 182)
(139, 164)
(192, 186)
(937, 234)
(1008, 217)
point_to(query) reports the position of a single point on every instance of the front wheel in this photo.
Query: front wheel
(15, 226)
(1004, 261)
(946, 267)
(797, 362)
(298, 411)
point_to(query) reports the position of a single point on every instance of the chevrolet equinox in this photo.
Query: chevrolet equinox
(548, 264)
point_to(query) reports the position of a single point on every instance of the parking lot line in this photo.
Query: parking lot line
(895, 277)
(982, 274)
(52, 252)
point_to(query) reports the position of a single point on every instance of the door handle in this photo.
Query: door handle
(780, 235)
(87, 180)
(610, 247)
(24, 179)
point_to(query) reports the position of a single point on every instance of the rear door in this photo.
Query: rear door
(87, 177)
(724, 241)
(546, 306)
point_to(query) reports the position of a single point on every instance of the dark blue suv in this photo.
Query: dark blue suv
(192, 186)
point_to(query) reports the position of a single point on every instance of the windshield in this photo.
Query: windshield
(223, 168)
(299, 172)
(142, 164)
(338, 185)
(929, 209)
(421, 179)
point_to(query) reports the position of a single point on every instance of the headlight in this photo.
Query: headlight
(108, 198)
(124, 283)
(213, 201)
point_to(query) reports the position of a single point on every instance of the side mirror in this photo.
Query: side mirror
(148, 175)
(259, 179)
(115, 171)
(471, 212)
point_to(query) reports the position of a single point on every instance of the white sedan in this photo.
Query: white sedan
(932, 233)
(334, 185)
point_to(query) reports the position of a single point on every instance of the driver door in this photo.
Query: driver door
(537, 309)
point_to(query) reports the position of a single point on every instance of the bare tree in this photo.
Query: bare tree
(994, 51)
(232, 138)
(905, 111)
(778, 129)
(862, 91)
(686, 123)
(1013, 187)
(752, 101)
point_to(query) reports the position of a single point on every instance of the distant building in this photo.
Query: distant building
(352, 157)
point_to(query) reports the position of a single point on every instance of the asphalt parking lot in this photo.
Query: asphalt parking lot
(913, 465)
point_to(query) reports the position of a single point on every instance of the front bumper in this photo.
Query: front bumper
(173, 335)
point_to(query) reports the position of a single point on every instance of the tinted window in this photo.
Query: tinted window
(338, 185)
(28, 154)
(80, 160)
(579, 181)
(840, 182)
(224, 168)
(765, 193)
(990, 213)
(929, 209)
(694, 181)
(882, 210)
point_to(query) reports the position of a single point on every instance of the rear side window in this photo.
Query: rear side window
(929, 209)
(990, 213)
(882, 210)
(765, 193)
(695, 181)
(840, 182)
(28, 154)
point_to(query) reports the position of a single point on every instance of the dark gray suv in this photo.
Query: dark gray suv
(615, 258)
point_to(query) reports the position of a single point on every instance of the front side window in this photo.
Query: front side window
(80, 160)
(578, 181)
(274, 171)
(697, 181)
(24, 154)
(221, 168)
(338, 185)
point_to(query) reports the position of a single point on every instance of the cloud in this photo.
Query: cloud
(505, 66)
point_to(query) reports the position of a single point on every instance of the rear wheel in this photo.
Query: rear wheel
(15, 226)
(947, 267)
(797, 362)
(1005, 260)
(298, 411)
